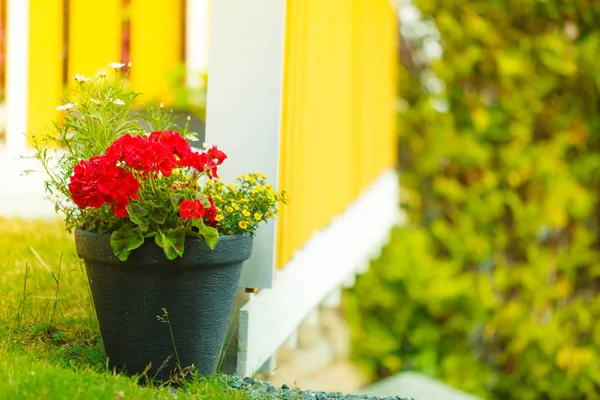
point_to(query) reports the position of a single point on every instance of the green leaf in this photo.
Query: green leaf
(210, 235)
(172, 243)
(137, 215)
(126, 239)
(158, 215)
(175, 200)
(136, 210)
(203, 199)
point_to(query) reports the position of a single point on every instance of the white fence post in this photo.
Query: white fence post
(17, 75)
(244, 105)
(196, 41)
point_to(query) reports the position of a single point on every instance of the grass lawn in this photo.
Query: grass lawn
(50, 346)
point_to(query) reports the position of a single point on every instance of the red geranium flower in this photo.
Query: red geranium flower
(191, 209)
(216, 154)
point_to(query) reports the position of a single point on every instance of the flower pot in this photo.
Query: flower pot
(197, 291)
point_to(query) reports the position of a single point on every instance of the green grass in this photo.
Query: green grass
(50, 345)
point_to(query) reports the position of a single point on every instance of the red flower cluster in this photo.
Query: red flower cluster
(191, 209)
(100, 181)
(195, 209)
(108, 179)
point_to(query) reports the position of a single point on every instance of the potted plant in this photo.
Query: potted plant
(163, 240)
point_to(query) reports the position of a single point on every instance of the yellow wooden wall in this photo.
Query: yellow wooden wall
(338, 110)
(94, 30)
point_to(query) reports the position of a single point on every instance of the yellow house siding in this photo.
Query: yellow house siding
(94, 35)
(45, 63)
(156, 46)
(337, 110)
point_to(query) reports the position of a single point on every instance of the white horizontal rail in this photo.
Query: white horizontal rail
(316, 270)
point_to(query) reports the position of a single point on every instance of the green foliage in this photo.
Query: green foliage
(494, 285)
(125, 239)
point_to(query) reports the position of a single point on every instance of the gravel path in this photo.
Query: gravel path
(263, 390)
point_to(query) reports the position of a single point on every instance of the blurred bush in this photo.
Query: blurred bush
(494, 284)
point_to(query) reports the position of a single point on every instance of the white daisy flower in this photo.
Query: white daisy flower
(116, 65)
(64, 107)
(118, 102)
(81, 78)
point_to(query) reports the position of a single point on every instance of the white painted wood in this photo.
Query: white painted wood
(363, 268)
(17, 75)
(269, 367)
(317, 269)
(350, 280)
(333, 300)
(196, 41)
(292, 341)
(312, 319)
(244, 105)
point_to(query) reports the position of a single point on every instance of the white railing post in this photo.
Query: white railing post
(196, 41)
(244, 105)
(17, 75)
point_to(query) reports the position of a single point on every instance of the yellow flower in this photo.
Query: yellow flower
(243, 224)
(234, 205)
(245, 200)
(219, 197)
(219, 217)
(231, 186)
(229, 209)
(270, 214)
(257, 216)
(246, 213)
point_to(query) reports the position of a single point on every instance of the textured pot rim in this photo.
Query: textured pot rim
(95, 246)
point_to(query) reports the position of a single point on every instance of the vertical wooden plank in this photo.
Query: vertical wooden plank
(338, 121)
(156, 47)
(196, 41)
(244, 105)
(94, 35)
(17, 75)
(286, 151)
(45, 63)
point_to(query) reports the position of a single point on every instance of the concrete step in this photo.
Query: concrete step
(417, 386)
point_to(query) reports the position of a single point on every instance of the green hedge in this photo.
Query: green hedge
(493, 286)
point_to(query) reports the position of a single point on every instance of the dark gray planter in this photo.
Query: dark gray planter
(197, 290)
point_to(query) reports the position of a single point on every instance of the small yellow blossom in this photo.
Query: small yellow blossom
(235, 206)
(270, 214)
(246, 213)
(229, 209)
(219, 217)
(243, 224)
(257, 216)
